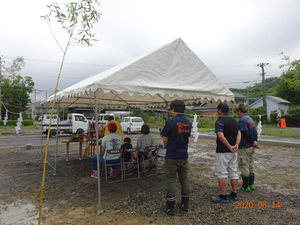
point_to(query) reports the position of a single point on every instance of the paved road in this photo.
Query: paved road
(35, 139)
(264, 139)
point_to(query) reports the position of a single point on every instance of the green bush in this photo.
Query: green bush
(259, 111)
(293, 116)
(14, 122)
(155, 122)
(274, 117)
(206, 122)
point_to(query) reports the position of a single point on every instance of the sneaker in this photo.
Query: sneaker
(218, 200)
(112, 174)
(94, 175)
(252, 187)
(232, 198)
(242, 189)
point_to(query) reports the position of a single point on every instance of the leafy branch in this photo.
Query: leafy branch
(77, 19)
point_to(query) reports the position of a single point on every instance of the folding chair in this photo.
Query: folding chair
(149, 161)
(109, 163)
(130, 165)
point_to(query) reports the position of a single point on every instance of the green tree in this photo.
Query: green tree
(289, 87)
(293, 116)
(77, 19)
(15, 89)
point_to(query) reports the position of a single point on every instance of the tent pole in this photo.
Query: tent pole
(130, 123)
(56, 148)
(100, 210)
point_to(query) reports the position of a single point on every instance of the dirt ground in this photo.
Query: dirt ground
(71, 195)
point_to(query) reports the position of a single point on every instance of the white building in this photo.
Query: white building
(277, 104)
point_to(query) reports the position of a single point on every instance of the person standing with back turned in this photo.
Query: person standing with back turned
(228, 139)
(246, 148)
(175, 135)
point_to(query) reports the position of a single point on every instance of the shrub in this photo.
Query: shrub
(293, 116)
(14, 122)
(155, 122)
(274, 117)
(259, 111)
(206, 122)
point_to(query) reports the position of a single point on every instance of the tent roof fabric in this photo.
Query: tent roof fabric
(172, 72)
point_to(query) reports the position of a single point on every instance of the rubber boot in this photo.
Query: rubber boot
(251, 181)
(169, 207)
(245, 187)
(184, 204)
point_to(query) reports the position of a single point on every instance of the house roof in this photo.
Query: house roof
(278, 99)
(273, 98)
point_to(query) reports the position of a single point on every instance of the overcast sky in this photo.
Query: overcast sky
(231, 37)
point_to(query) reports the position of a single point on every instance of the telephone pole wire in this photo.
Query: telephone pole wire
(262, 65)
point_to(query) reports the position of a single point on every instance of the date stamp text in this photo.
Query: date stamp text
(258, 204)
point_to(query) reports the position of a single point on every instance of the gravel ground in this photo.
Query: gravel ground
(71, 195)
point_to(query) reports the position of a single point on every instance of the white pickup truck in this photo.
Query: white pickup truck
(75, 124)
(45, 119)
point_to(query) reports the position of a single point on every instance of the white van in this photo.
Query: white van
(103, 118)
(131, 124)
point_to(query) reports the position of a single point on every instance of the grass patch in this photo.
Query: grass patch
(22, 127)
(281, 133)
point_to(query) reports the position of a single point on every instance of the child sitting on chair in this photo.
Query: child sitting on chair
(127, 144)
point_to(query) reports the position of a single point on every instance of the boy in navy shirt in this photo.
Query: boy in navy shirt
(175, 137)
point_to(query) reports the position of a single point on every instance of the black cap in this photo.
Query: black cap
(223, 105)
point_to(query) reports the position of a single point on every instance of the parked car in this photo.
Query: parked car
(131, 124)
(75, 124)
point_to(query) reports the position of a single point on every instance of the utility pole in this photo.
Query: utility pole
(262, 65)
(0, 89)
(246, 82)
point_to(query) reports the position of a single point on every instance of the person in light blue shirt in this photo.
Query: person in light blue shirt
(109, 142)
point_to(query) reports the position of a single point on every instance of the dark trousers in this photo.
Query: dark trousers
(172, 168)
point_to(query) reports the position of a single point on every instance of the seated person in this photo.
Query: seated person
(127, 155)
(161, 153)
(109, 142)
(127, 144)
(161, 149)
(119, 128)
(143, 141)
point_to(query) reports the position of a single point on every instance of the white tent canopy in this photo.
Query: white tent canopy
(173, 71)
